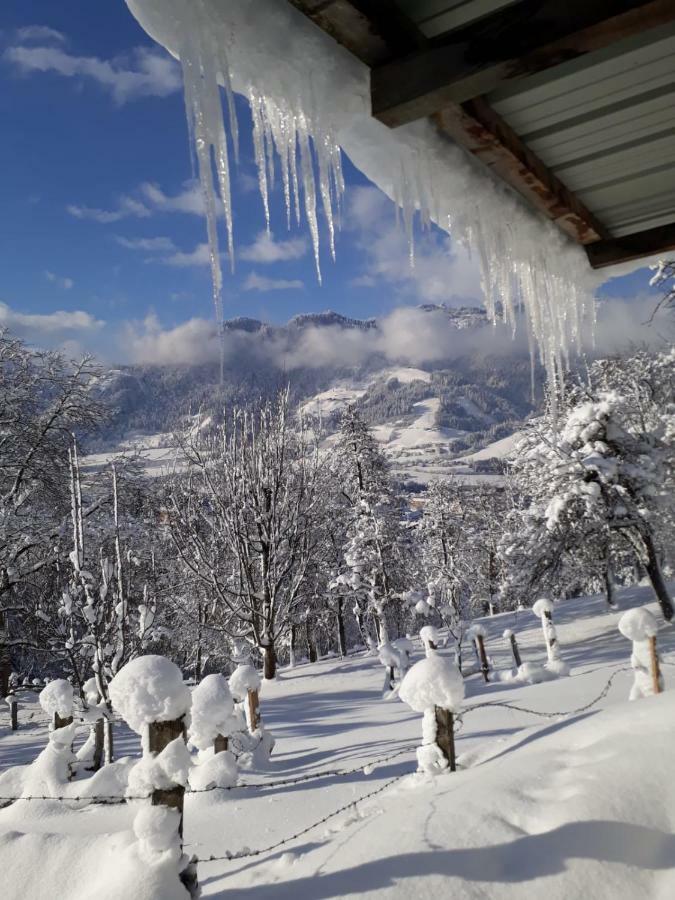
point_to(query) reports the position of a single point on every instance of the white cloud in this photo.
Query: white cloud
(188, 200)
(65, 283)
(149, 245)
(145, 72)
(266, 250)
(30, 33)
(256, 282)
(126, 207)
(147, 342)
(443, 271)
(151, 200)
(34, 326)
(200, 256)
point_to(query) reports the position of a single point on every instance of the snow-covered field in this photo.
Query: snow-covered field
(569, 806)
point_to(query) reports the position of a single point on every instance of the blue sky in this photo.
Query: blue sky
(101, 226)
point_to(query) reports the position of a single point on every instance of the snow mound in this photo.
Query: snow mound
(433, 681)
(638, 624)
(214, 770)
(149, 689)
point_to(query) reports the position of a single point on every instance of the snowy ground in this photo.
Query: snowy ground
(565, 807)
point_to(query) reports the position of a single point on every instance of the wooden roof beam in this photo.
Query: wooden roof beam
(481, 131)
(529, 37)
(654, 241)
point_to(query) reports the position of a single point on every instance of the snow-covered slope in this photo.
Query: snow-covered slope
(566, 807)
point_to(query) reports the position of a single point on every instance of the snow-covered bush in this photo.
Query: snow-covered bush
(640, 627)
(433, 682)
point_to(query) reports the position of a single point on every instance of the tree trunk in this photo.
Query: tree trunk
(311, 645)
(291, 647)
(269, 661)
(5, 657)
(656, 578)
(342, 640)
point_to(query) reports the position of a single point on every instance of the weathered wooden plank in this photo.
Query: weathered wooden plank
(373, 30)
(651, 242)
(530, 37)
(480, 129)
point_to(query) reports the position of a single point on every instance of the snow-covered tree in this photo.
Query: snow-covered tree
(242, 519)
(600, 481)
(45, 398)
(374, 548)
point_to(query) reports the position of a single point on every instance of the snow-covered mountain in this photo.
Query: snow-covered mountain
(426, 415)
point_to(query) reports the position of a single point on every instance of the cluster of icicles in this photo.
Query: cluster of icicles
(526, 266)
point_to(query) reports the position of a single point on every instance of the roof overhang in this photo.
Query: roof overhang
(571, 104)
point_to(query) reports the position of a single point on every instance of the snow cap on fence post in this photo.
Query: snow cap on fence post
(431, 638)
(149, 689)
(245, 684)
(56, 699)
(640, 627)
(543, 609)
(390, 658)
(434, 687)
(212, 722)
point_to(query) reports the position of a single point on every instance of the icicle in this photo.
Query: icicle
(304, 92)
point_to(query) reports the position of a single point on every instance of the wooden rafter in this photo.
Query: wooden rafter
(481, 130)
(652, 242)
(528, 37)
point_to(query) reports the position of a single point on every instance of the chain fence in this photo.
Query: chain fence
(366, 768)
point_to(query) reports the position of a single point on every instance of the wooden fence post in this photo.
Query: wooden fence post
(99, 744)
(14, 713)
(445, 736)
(159, 735)
(514, 647)
(655, 667)
(220, 743)
(482, 655)
(253, 713)
(62, 723)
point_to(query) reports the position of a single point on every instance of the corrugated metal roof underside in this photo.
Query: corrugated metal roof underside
(604, 123)
(435, 17)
